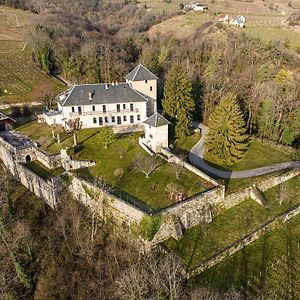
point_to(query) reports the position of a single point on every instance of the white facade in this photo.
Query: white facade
(113, 104)
(98, 115)
(156, 137)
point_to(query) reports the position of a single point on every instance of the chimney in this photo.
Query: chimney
(112, 83)
(117, 83)
(90, 96)
(106, 86)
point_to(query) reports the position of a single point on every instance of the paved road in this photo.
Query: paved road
(196, 158)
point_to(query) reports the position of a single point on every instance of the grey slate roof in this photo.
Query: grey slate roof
(140, 73)
(156, 120)
(102, 94)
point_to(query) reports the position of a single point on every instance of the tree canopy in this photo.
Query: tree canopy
(178, 102)
(226, 141)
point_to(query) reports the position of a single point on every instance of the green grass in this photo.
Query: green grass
(42, 171)
(183, 146)
(202, 241)
(117, 171)
(258, 155)
(268, 265)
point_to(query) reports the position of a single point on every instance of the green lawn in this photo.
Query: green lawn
(270, 264)
(115, 165)
(42, 171)
(183, 146)
(258, 155)
(202, 241)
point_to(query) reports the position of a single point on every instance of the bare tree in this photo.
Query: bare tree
(73, 127)
(178, 166)
(172, 189)
(147, 164)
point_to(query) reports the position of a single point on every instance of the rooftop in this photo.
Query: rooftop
(5, 117)
(140, 73)
(156, 120)
(16, 139)
(102, 94)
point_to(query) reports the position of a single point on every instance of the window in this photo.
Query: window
(119, 121)
(150, 88)
(93, 107)
(131, 119)
(138, 117)
(118, 108)
(73, 109)
(79, 110)
(106, 119)
(100, 121)
(104, 108)
(131, 106)
(124, 106)
(151, 136)
(146, 81)
(94, 120)
(124, 118)
(113, 119)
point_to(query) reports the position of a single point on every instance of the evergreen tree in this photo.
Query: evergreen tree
(226, 140)
(178, 102)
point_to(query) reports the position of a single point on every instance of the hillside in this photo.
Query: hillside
(20, 79)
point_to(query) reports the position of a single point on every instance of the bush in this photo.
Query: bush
(149, 226)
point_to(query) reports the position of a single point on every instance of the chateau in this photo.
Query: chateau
(115, 104)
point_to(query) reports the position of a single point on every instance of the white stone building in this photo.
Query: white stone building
(115, 104)
(156, 133)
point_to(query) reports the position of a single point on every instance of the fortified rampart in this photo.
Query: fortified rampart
(16, 149)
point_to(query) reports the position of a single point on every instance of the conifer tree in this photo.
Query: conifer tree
(178, 102)
(226, 141)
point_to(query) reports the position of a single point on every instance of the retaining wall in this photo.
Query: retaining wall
(173, 158)
(246, 240)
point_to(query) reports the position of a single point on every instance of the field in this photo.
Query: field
(262, 21)
(202, 241)
(20, 79)
(268, 267)
(115, 166)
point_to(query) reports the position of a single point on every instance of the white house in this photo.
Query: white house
(115, 104)
(239, 22)
(156, 132)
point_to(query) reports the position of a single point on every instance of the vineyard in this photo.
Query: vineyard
(20, 79)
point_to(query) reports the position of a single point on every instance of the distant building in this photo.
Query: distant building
(224, 18)
(237, 21)
(6, 123)
(114, 104)
(195, 6)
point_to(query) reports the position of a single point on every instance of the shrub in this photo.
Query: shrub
(149, 226)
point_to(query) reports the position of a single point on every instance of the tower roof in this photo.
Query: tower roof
(157, 120)
(140, 73)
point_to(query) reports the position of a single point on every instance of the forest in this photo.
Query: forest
(100, 41)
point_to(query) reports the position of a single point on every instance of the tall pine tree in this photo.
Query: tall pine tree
(226, 141)
(178, 102)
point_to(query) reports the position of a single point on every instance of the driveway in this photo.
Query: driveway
(197, 153)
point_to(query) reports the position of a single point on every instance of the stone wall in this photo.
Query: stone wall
(105, 203)
(49, 161)
(47, 190)
(173, 158)
(246, 240)
(263, 185)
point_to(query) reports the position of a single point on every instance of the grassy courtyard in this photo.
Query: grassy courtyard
(116, 165)
(202, 241)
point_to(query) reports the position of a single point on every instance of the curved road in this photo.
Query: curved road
(196, 158)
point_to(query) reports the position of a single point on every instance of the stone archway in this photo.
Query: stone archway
(28, 158)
